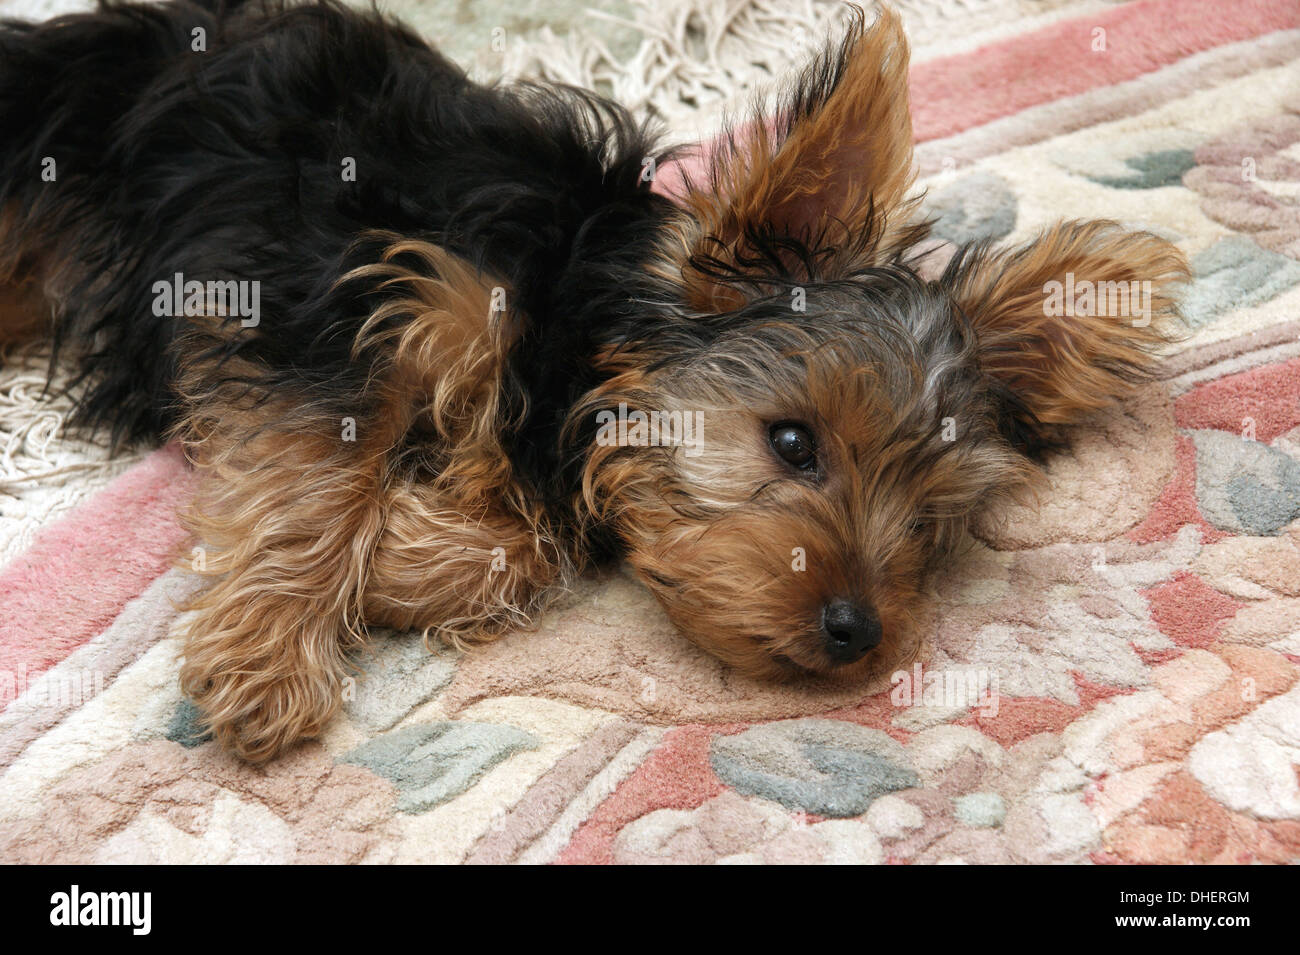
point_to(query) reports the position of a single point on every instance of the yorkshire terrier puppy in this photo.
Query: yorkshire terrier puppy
(391, 313)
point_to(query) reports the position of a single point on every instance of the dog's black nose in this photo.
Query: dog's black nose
(850, 631)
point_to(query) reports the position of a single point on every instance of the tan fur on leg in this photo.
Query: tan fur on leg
(464, 553)
(463, 575)
(288, 521)
(305, 530)
(24, 310)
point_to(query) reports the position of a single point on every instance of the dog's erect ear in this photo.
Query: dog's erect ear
(1069, 322)
(815, 190)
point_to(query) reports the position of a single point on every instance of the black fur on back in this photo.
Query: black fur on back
(227, 164)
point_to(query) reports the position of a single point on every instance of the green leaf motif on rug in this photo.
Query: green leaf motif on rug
(435, 762)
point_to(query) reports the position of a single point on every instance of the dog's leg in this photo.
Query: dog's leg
(463, 572)
(24, 311)
(287, 518)
(308, 539)
(465, 552)
(395, 508)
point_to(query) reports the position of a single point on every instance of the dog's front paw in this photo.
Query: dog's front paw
(258, 716)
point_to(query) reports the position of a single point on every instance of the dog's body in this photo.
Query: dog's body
(436, 291)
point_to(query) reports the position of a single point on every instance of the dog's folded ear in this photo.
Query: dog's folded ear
(818, 188)
(1068, 322)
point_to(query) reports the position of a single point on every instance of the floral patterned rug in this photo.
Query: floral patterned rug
(1114, 676)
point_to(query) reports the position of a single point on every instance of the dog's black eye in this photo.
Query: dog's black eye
(794, 445)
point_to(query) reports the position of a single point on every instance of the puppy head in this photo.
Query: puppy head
(807, 436)
(785, 487)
